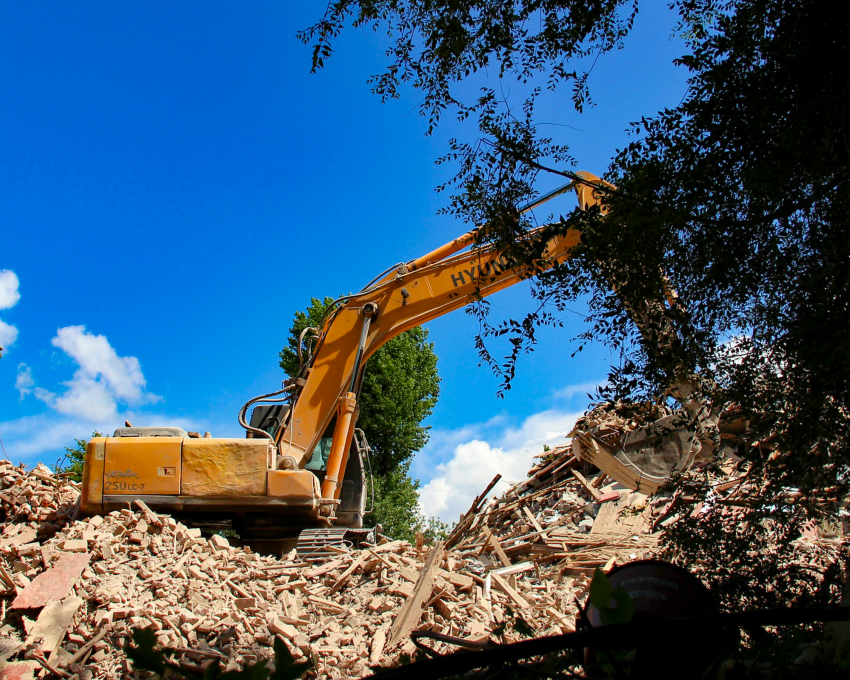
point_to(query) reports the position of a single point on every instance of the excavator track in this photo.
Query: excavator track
(323, 543)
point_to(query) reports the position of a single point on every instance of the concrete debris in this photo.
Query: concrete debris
(80, 585)
(53, 583)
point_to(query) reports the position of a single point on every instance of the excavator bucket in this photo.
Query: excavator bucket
(640, 451)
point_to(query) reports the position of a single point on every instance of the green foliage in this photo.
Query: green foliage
(75, 458)
(400, 388)
(147, 656)
(750, 178)
(313, 317)
(614, 606)
(396, 504)
(439, 44)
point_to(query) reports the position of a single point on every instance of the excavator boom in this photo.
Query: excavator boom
(296, 469)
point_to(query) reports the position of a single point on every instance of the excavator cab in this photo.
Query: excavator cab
(268, 417)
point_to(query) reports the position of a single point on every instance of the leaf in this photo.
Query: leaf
(142, 652)
(623, 609)
(614, 604)
(286, 668)
(600, 590)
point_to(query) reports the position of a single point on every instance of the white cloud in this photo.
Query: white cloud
(31, 435)
(9, 293)
(97, 359)
(9, 296)
(99, 396)
(102, 380)
(471, 456)
(24, 381)
(8, 334)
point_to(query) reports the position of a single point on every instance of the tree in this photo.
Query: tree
(400, 389)
(76, 458)
(737, 198)
(751, 178)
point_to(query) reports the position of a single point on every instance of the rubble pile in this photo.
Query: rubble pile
(73, 588)
(562, 516)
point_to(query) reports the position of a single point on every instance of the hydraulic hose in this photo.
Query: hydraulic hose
(262, 397)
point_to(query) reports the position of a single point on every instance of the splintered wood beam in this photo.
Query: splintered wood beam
(470, 516)
(53, 622)
(411, 611)
(514, 569)
(599, 481)
(594, 493)
(149, 514)
(392, 546)
(343, 579)
(532, 518)
(497, 548)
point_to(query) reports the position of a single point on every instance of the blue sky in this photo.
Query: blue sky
(174, 184)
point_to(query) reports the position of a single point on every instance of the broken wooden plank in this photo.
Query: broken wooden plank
(612, 520)
(392, 546)
(81, 652)
(149, 514)
(54, 583)
(376, 651)
(381, 558)
(343, 579)
(324, 568)
(470, 516)
(315, 599)
(53, 623)
(562, 620)
(514, 569)
(506, 588)
(532, 518)
(601, 478)
(6, 581)
(411, 611)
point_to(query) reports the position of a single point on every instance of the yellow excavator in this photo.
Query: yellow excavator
(301, 464)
